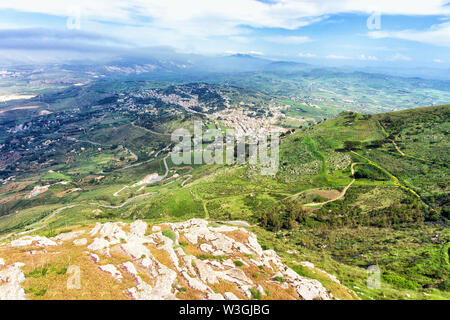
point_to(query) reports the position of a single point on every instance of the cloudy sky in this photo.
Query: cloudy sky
(369, 32)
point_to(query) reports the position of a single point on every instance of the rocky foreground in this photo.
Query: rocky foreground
(186, 260)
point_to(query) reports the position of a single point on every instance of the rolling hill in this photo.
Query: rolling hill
(352, 191)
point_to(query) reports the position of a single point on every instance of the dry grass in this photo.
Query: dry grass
(237, 235)
(224, 286)
(15, 186)
(99, 285)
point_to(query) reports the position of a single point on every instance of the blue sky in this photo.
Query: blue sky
(403, 33)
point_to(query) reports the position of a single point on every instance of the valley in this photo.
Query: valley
(358, 184)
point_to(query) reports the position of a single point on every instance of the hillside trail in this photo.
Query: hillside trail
(394, 178)
(44, 222)
(397, 148)
(341, 195)
(151, 131)
(116, 194)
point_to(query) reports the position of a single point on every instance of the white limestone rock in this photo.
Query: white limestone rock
(195, 283)
(68, 235)
(230, 296)
(214, 296)
(223, 229)
(130, 269)
(135, 250)
(37, 241)
(10, 280)
(98, 244)
(94, 257)
(80, 242)
(138, 228)
(112, 270)
(156, 228)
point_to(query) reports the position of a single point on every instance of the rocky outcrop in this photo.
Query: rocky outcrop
(35, 241)
(195, 260)
(10, 283)
(69, 235)
(111, 269)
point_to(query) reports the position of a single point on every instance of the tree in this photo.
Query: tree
(352, 145)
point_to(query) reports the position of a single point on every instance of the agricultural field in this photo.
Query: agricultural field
(352, 189)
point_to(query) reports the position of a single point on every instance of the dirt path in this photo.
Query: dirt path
(116, 194)
(398, 149)
(300, 193)
(394, 178)
(189, 176)
(151, 131)
(206, 210)
(58, 211)
(123, 204)
(54, 214)
(341, 195)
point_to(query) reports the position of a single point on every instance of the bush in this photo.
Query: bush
(400, 282)
(366, 171)
(352, 145)
(444, 285)
(170, 234)
(284, 216)
(238, 263)
(279, 279)
(204, 256)
(38, 272)
(256, 295)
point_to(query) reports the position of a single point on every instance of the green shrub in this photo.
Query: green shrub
(204, 256)
(366, 171)
(399, 281)
(61, 271)
(169, 234)
(256, 295)
(238, 263)
(38, 272)
(36, 292)
(279, 279)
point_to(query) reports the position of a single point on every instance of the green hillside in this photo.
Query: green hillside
(352, 191)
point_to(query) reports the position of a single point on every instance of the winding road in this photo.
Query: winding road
(44, 222)
(341, 195)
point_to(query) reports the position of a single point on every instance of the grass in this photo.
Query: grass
(238, 263)
(312, 160)
(256, 294)
(279, 279)
(56, 176)
(170, 234)
(205, 256)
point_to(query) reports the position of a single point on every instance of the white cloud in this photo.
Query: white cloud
(333, 56)
(206, 17)
(306, 55)
(288, 39)
(191, 24)
(370, 58)
(251, 52)
(436, 35)
(240, 39)
(437, 60)
(400, 57)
